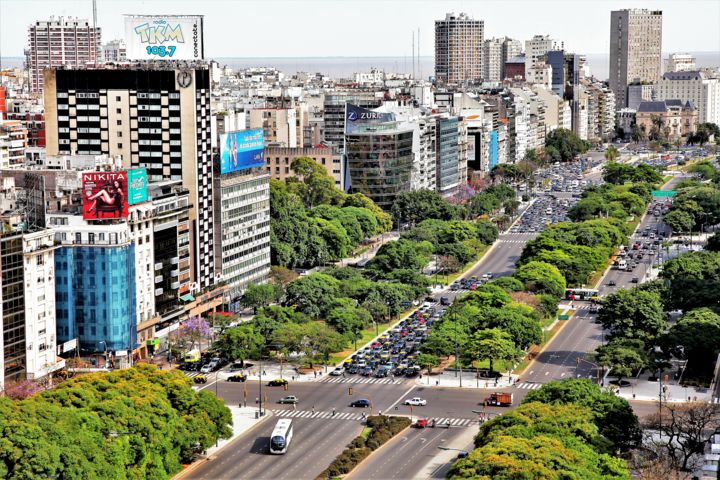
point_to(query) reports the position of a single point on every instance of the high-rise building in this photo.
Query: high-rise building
(536, 50)
(242, 236)
(60, 42)
(13, 142)
(493, 60)
(695, 86)
(334, 111)
(114, 51)
(458, 49)
(158, 119)
(635, 49)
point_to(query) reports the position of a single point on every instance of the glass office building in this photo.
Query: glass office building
(448, 175)
(95, 297)
(380, 162)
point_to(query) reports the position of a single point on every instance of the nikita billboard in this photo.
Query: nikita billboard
(241, 150)
(105, 195)
(356, 117)
(164, 37)
(137, 186)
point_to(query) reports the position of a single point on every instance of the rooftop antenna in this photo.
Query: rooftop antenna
(418, 56)
(413, 54)
(94, 33)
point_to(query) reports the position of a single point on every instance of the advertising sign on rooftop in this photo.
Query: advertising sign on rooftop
(241, 150)
(137, 186)
(105, 195)
(164, 37)
(356, 117)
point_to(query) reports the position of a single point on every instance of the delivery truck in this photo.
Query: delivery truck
(499, 399)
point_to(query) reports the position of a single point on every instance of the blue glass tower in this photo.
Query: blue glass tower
(95, 297)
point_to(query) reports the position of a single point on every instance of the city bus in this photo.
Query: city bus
(580, 293)
(281, 436)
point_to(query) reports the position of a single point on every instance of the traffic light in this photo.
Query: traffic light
(349, 390)
(285, 386)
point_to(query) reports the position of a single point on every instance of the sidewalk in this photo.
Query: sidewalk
(650, 391)
(468, 380)
(243, 420)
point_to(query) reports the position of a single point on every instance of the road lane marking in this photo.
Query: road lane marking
(401, 397)
(547, 373)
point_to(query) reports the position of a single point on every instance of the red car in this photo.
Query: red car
(421, 423)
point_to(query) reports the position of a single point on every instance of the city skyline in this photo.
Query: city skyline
(224, 39)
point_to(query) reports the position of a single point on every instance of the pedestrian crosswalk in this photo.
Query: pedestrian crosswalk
(358, 380)
(354, 416)
(528, 386)
(715, 400)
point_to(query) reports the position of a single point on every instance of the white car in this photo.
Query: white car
(416, 402)
(337, 372)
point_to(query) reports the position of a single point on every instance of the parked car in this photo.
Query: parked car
(635, 280)
(362, 403)
(415, 402)
(289, 399)
(238, 377)
(612, 283)
(278, 382)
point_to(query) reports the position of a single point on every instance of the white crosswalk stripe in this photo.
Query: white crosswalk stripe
(322, 415)
(528, 386)
(359, 380)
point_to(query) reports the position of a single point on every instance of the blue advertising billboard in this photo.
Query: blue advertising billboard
(137, 186)
(357, 117)
(241, 150)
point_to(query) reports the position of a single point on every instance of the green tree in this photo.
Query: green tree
(401, 254)
(241, 342)
(713, 243)
(348, 321)
(361, 201)
(509, 284)
(613, 415)
(623, 356)
(316, 186)
(310, 294)
(539, 277)
(679, 221)
(492, 344)
(633, 314)
(695, 338)
(567, 144)
(518, 320)
(693, 279)
(261, 295)
(416, 205)
(611, 154)
(428, 361)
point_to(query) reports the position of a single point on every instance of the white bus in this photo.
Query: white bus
(281, 436)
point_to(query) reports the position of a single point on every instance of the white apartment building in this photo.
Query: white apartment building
(537, 47)
(695, 86)
(39, 272)
(540, 74)
(680, 62)
(13, 143)
(493, 60)
(60, 42)
(458, 49)
(114, 51)
(242, 239)
(373, 77)
(424, 175)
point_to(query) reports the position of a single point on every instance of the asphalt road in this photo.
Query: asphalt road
(324, 423)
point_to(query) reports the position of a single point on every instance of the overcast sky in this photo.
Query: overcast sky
(304, 28)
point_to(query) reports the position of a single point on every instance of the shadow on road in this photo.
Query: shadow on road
(260, 446)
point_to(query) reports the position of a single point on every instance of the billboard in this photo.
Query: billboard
(241, 150)
(164, 37)
(137, 186)
(356, 117)
(105, 195)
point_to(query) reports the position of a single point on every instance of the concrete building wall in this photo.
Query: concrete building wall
(458, 49)
(278, 161)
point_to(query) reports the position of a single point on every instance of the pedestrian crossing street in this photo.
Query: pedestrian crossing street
(528, 386)
(353, 416)
(358, 380)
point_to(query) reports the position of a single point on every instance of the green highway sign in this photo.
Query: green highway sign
(663, 193)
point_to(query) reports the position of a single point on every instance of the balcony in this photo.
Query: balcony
(158, 278)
